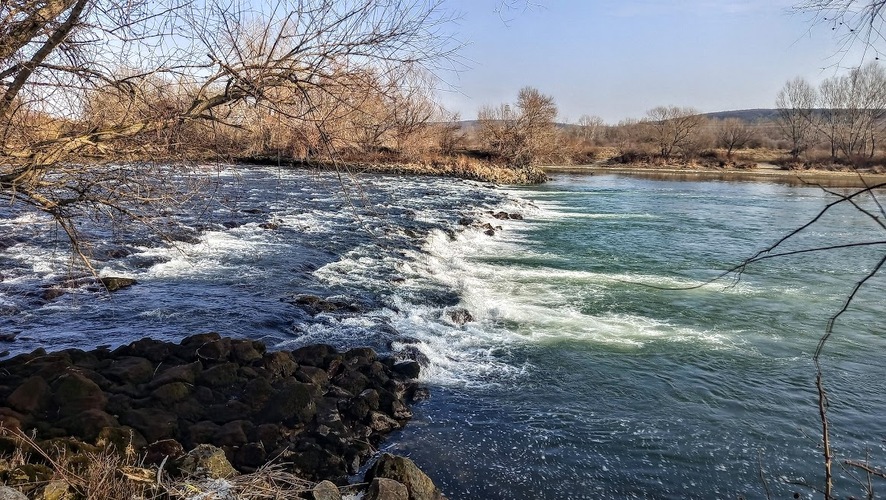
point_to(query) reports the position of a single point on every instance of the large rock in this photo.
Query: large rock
(31, 396)
(404, 470)
(130, 370)
(459, 316)
(7, 493)
(386, 489)
(124, 439)
(57, 490)
(319, 355)
(73, 392)
(292, 402)
(207, 460)
(326, 490)
(224, 374)
(246, 351)
(112, 284)
(179, 373)
(153, 423)
(88, 424)
(279, 364)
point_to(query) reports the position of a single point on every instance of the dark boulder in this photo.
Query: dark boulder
(202, 432)
(153, 423)
(352, 381)
(459, 316)
(279, 364)
(257, 392)
(164, 450)
(129, 369)
(179, 373)
(225, 412)
(88, 424)
(215, 350)
(168, 394)
(73, 393)
(32, 396)
(292, 402)
(246, 351)
(121, 438)
(407, 368)
(232, 434)
(359, 357)
(154, 350)
(252, 455)
(319, 355)
(221, 375)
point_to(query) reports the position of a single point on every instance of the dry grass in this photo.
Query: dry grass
(104, 474)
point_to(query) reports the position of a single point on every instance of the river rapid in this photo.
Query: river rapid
(595, 366)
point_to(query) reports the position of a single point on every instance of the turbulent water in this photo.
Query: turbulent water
(595, 366)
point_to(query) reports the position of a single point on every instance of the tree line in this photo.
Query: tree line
(841, 123)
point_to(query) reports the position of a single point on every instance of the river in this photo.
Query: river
(595, 367)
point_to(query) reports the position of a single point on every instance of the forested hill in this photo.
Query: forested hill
(750, 115)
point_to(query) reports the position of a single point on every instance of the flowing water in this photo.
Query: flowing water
(595, 366)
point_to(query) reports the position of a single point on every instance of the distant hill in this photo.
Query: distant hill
(750, 115)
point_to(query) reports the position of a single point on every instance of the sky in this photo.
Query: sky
(618, 58)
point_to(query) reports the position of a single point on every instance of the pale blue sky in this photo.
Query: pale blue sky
(618, 58)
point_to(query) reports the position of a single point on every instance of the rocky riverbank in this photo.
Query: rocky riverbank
(317, 413)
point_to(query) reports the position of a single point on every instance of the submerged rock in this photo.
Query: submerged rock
(112, 284)
(459, 316)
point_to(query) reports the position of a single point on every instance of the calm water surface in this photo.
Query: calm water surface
(580, 377)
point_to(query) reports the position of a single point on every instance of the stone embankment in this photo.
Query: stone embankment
(314, 411)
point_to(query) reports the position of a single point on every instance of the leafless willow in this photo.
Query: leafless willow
(523, 133)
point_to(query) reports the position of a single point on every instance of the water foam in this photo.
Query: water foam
(512, 306)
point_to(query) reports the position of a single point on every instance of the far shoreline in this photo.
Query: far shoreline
(812, 178)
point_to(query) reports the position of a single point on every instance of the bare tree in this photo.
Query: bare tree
(796, 103)
(733, 133)
(854, 105)
(589, 127)
(852, 21)
(58, 57)
(451, 136)
(672, 127)
(523, 133)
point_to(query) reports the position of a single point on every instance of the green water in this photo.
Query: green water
(580, 380)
